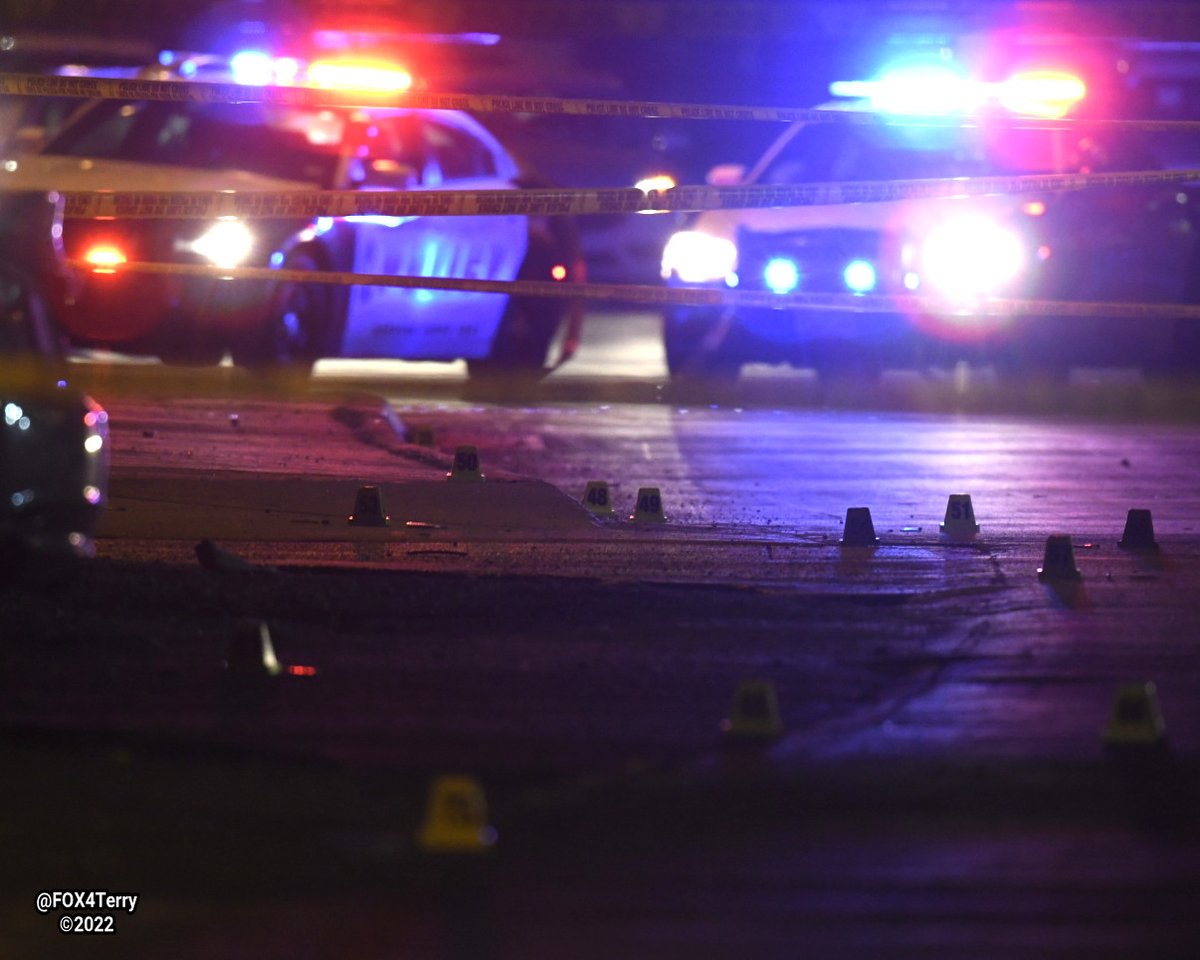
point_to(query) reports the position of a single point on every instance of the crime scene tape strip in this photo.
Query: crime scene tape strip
(211, 205)
(642, 294)
(191, 91)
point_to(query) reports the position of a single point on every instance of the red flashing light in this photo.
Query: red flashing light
(361, 75)
(558, 272)
(1042, 93)
(104, 258)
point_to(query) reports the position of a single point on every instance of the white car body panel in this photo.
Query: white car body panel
(424, 324)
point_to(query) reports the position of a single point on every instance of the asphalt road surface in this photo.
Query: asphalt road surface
(937, 782)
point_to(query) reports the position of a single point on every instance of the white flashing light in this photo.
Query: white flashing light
(252, 68)
(226, 244)
(657, 181)
(938, 90)
(287, 69)
(698, 257)
(971, 257)
(919, 90)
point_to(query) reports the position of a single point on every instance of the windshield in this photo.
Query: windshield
(258, 138)
(841, 152)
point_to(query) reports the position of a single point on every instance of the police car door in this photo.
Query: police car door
(422, 153)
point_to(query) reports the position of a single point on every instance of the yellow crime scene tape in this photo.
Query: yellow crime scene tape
(304, 204)
(205, 205)
(647, 295)
(193, 91)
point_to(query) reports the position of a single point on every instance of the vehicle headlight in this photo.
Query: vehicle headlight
(860, 276)
(226, 244)
(781, 275)
(970, 257)
(697, 257)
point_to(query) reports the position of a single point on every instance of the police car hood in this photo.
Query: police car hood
(63, 173)
(895, 216)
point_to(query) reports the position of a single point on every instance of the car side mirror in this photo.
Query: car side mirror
(726, 175)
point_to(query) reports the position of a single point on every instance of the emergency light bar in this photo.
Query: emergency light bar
(937, 90)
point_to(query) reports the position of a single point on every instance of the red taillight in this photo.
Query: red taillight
(558, 271)
(104, 258)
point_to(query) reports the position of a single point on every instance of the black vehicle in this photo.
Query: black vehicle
(33, 275)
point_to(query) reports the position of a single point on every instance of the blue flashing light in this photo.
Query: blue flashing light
(781, 275)
(860, 276)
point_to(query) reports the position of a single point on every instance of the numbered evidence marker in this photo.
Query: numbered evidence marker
(860, 529)
(1136, 717)
(466, 465)
(960, 518)
(1058, 562)
(649, 506)
(456, 818)
(755, 712)
(1139, 531)
(598, 499)
(368, 508)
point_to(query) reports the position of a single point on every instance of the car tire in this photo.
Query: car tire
(848, 365)
(522, 342)
(1024, 366)
(183, 342)
(1184, 361)
(295, 331)
(25, 324)
(689, 356)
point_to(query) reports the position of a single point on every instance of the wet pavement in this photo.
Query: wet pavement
(939, 784)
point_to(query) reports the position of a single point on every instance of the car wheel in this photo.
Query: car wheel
(1185, 349)
(697, 349)
(1030, 365)
(295, 331)
(25, 325)
(182, 341)
(522, 342)
(848, 365)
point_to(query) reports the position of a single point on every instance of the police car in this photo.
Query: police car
(154, 145)
(1129, 244)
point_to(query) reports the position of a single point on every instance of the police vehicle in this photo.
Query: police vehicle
(149, 146)
(1128, 244)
